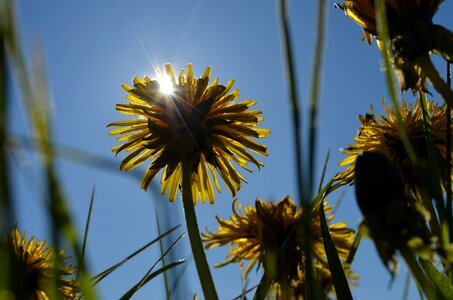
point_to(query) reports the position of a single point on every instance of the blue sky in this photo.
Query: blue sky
(92, 47)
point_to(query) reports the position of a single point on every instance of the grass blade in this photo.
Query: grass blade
(382, 29)
(324, 170)
(338, 275)
(353, 251)
(315, 87)
(161, 247)
(107, 272)
(441, 281)
(149, 277)
(87, 226)
(6, 207)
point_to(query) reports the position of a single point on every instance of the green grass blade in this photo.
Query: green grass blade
(441, 281)
(178, 277)
(165, 253)
(324, 170)
(449, 208)
(338, 275)
(294, 102)
(382, 29)
(149, 277)
(243, 295)
(6, 208)
(407, 282)
(161, 247)
(353, 251)
(263, 287)
(150, 274)
(108, 271)
(87, 227)
(315, 87)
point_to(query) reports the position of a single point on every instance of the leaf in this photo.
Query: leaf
(338, 276)
(441, 281)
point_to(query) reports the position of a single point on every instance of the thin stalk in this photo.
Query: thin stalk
(315, 86)
(381, 20)
(449, 210)
(297, 120)
(87, 228)
(303, 186)
(201, 262)
(263, 286)
(417, 272)
(407, 282)
(161, 247)
(6, 208)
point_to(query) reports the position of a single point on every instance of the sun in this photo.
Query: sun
(166, 84)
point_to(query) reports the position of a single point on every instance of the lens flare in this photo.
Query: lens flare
(166, 84)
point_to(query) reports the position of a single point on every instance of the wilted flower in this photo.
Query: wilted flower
(259, 233)
(188, 122)
(402, 16)
(380, 134)
(391, 217)
(412, 34)
(32, 270)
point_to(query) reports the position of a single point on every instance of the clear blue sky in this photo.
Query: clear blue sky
(92, 47)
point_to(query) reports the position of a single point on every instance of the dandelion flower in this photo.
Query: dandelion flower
(188, 122)
(402, 16)
(261, 230)
(413, 37)
(392, 219)
(380, 134)
(33, 271)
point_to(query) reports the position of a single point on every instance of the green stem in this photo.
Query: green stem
(207, 284)
(439, 84)
(417, 272)
(382, 28)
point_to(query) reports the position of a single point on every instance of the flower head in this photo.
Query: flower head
(190, 122)
(393, 220)
(402, 16)
(380, 134)
(259, 232)
(412, 35)
(32, 268)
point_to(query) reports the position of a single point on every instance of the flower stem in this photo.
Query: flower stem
(207, 284)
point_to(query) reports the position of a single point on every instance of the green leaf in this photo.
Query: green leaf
(338, 276)
(441, 281)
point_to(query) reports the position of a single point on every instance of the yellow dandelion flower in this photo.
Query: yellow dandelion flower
(188, 121)
(32, 269)
(402, 16)
(380, 134)
(261, 230)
